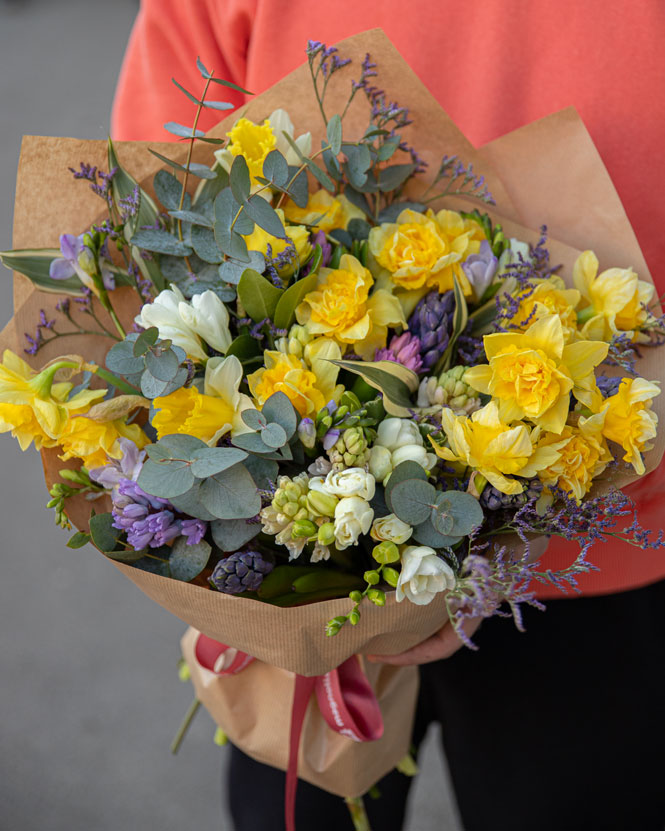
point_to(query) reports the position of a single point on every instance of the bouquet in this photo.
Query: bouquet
(302, 379)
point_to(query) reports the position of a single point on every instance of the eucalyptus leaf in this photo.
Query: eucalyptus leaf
(218, 105)
(258, 296)
(426, 534)
(358, 229)
(359, 200)
(274, 435)
(265, 216)
(168, 189)
(412, 500)
(321, 176)
(254, 419)
(166, 478)
(208, 190)
(231, 494)
(279, 409)
(144, 341)
(231, 270)
(254, 444)
(239, 180)
(391, 213)
(104, 536)
(276, 168)
(205, 245)
(208, 461)
(175, 445)
(188, 561)
(263, 471)
(164, 367)
(152, 387)
(151, 565)
(166, 160)
(391, 178)
(388, 148)
(121, 360)
(202, 171)
(190, 503)
(299, 188)
(334, 133)
(189, 95)
(464, 511)
(182, 131)
(193, 217)
(160, 242)
(403, 472)
(232, 534)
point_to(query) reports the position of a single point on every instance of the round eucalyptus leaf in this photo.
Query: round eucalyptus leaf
(464, 509)
(152, 387)
(232, 534)
(166, 479)
(426, 534)
(274, 435)
(212, 460)
(231, 494)
(254, 419)
(164, 366)
(441, 518)
(188, 561)
(412, 500)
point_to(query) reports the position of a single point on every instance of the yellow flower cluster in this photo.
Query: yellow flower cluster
(323, 212)
(342, 308)
(422, 251)
(35, 408)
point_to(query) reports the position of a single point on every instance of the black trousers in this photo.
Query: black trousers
(557, 729)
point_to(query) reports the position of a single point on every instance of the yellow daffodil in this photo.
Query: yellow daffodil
(297, 236)
(342, 308)
(308, 382)
(533, 373)
(425, 250)
(630, 421)
(32, 406)
(210, 414)
(94, 442)
(583, 455)
(324, 212)
(484, 443)
(549, 296)
(255, 141)
(616, 299)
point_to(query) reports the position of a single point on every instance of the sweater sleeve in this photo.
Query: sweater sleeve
(167, 38)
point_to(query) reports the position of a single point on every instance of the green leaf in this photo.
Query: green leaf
(232, 534)
(166, 478)
(79, 539)
(274, 435)
(208, 461)
(388, 148)
(121, 360)
(227, 212)
(218, 105)
(462, 510)
(254, 419)
(291, 298)
(258, 296)
(164, 367)
(231, 270)
(276, 168)
(202, 171)
(426, 534)
(193, 217)
(460, 320)
(183, 132)
(239, 180)
(175, 445)
(104, 536)
(34, 263)
(231, 494)
(152, 387)
(321, 176)
(279, 409)
(390, 178)
(264, 215)
(144, 341)
(412, 500)
(191, 97)
(188, 561)
(254, 444)
(403, 472)
(123, 186)
(168, 189)
(208, 191)
(394, 381)
(299, 187)
(205, 245)
(244, 347)
(190, 503)
(358, 229)
(161, 242)
(334, 134)
(263, 471)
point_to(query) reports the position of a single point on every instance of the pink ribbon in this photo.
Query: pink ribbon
(344, 695)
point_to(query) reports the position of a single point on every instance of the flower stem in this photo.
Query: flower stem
(358, 813)
(184, 727)
(110, 378)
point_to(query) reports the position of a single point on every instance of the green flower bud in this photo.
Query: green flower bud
(326, 534)
(356, 596)
(386, 552)
(354, 617)
(372, 577)
(220, 737)
(291, 509)
(350, 401)
(303, 528)
(377, 597)
(321, 504)
(183, 671)
(340, 412)
(391, 576)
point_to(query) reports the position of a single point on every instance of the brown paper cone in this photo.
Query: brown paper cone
(548, 172)
(245, 706)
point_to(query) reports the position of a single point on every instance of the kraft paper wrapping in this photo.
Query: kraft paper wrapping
(244, 706)
(546, 173)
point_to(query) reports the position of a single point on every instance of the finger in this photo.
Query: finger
(441, 644)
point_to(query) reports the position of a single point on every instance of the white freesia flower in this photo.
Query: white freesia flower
(223, 377)
(353, 481)
(380, 462)
(398, 432)
(353, 517)
(423, 575)
(391, 528)
(320, 552)
(208, 317)
(164, 314)
(413, 453)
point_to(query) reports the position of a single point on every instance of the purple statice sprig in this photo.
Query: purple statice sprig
(623, 353)
(100, 182)
(460, 180)
(49, 325)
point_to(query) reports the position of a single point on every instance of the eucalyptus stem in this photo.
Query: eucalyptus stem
(184, 727)
(358, 813)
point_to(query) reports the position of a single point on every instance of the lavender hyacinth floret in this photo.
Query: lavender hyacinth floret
(240, 572)
(431, 323)
(403, 349)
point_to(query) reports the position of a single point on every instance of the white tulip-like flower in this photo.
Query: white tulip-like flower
(391, 528)
(380, 462)
(353, 517)
(207, 316)
(423, 575)
(398, 440)
(164, 314)
(398, 432)
(353, 481)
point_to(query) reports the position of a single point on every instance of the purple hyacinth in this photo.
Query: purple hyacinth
(403, 349)
(240, 572)
(493, 499)
(431, 323)
(608, 385)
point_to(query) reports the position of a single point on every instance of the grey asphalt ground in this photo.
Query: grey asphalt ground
(89, 695)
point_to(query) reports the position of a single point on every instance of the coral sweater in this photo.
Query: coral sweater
(494, 65)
